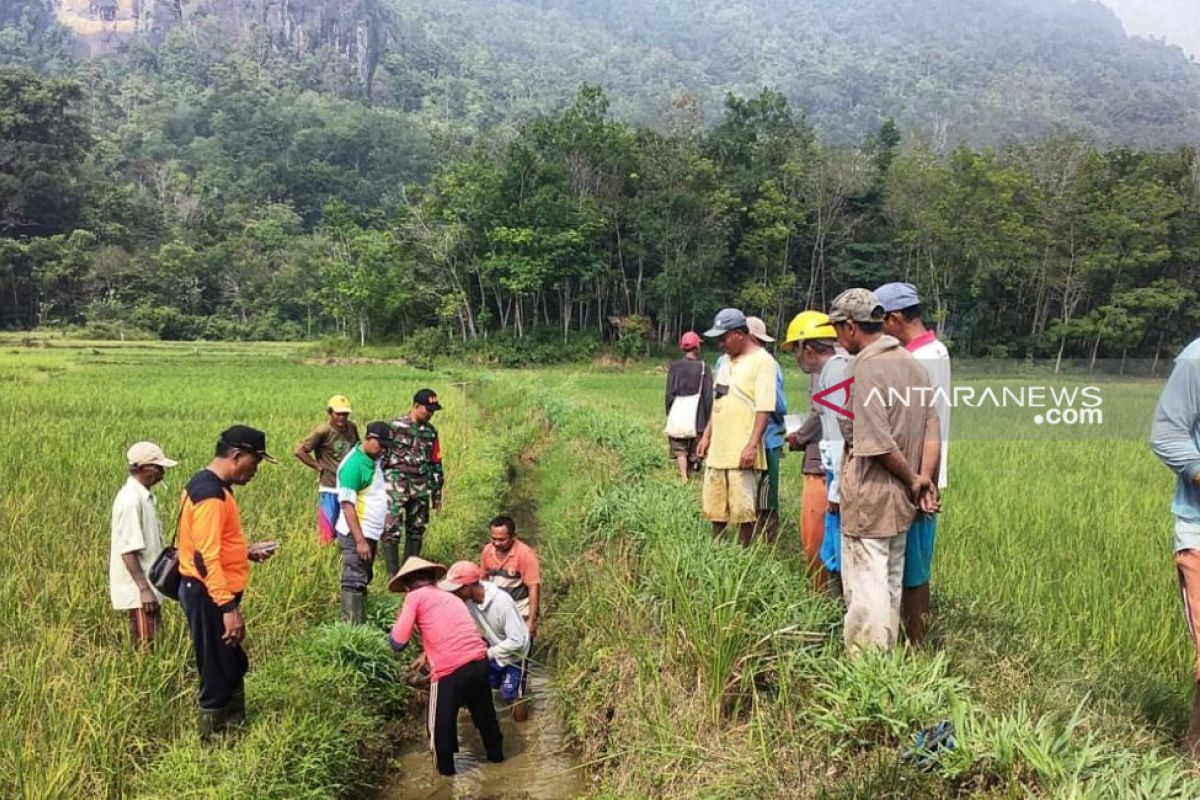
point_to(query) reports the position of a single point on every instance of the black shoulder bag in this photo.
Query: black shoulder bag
(164, 572)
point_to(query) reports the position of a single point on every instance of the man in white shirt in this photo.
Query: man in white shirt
(496, 615)
(902, 319)
(137, 541)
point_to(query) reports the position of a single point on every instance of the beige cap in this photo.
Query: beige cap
(758, 329)
(148, 453)
(856, 305)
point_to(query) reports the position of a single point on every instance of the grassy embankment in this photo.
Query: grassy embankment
(692, 668)
(88, 716)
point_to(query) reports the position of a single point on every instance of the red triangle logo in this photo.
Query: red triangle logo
(843, 409)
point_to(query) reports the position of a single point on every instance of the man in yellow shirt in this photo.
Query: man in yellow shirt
(732, 444)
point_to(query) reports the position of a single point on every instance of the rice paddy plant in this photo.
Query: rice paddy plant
(122, 721)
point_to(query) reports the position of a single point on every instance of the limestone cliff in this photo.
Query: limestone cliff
(354, 29)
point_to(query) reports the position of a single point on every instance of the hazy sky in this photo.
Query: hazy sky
(1177, 20)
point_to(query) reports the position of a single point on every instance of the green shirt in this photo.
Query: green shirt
(360, 481)
(329, 446)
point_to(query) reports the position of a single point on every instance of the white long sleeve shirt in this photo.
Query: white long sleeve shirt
(497, 617)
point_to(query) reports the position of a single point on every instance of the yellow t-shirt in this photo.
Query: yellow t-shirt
(743, 387)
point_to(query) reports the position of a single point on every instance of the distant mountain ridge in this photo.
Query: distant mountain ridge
(973, 71)
(962, 70)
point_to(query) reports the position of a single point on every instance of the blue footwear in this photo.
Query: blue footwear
(923, 753)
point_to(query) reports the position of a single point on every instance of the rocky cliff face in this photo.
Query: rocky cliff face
(354, 29)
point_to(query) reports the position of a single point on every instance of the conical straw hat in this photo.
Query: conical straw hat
(414, 564)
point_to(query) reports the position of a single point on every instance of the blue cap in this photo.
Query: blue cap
(897, 296)
(728, 319)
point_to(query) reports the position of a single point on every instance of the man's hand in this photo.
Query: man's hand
(364, 551)
(532, 625)
(261, 551)
(749, 454)
(149, 600)
(919, 486)
(793, 440)
(437, 504)
(235, 628)
(702, 447)
(833, 508)
(930, 502)
(420, 663)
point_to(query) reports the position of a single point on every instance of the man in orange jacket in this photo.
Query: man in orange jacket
(214, 563)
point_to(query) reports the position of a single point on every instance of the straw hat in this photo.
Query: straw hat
(413, 564)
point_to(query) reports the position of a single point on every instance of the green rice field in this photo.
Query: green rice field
(687, 667)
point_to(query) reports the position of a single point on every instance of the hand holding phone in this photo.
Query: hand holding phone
(261, 551)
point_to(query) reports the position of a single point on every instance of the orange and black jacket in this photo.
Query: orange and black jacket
(211, 546)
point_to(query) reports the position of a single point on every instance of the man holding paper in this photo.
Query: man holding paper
(813, 340)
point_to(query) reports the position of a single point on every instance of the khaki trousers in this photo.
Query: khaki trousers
(872, 578)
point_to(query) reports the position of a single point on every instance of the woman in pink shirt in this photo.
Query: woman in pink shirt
(457, 657)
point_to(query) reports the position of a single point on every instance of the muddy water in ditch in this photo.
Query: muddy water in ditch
(538, 764)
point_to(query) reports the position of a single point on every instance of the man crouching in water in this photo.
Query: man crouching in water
(457, 658)
(495, 612)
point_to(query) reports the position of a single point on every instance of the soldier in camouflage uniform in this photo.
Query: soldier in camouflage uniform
(412, 471)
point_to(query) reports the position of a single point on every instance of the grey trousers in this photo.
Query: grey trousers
(356, 575)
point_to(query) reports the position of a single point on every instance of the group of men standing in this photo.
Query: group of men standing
(373, 490)
(369, 490)
(875, 445)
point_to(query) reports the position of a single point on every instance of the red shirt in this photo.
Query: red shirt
(448, 634)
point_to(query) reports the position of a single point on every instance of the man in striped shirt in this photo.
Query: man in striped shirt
(513, 566)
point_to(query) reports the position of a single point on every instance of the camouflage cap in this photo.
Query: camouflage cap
(856, 305)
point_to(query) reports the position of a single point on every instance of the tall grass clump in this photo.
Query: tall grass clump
(694, 668)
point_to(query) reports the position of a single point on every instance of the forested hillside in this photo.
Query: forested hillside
(965, 71)
(382, 171)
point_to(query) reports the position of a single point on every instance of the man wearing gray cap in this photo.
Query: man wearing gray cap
(137, 540)
(892, 451)
(902, 319)
(732, 444)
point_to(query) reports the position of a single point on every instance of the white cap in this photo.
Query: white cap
(148, 453)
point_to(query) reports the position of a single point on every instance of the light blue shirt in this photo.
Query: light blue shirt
(1175, 439)
(773, 437)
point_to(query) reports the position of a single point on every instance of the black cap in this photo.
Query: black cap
(427, 398)
(381, 431)
(252, 440)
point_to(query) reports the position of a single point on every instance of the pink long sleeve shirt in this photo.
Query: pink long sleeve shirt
(448, 634)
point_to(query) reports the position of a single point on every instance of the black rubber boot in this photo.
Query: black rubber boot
(352, 607)
(210, 722)
(445, 763)
(412, 544)
(391, 556)
(235, 710)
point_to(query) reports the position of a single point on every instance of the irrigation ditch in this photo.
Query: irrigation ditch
(539, 762)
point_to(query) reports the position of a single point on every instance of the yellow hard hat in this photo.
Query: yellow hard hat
(808, 325)
(339, 404)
